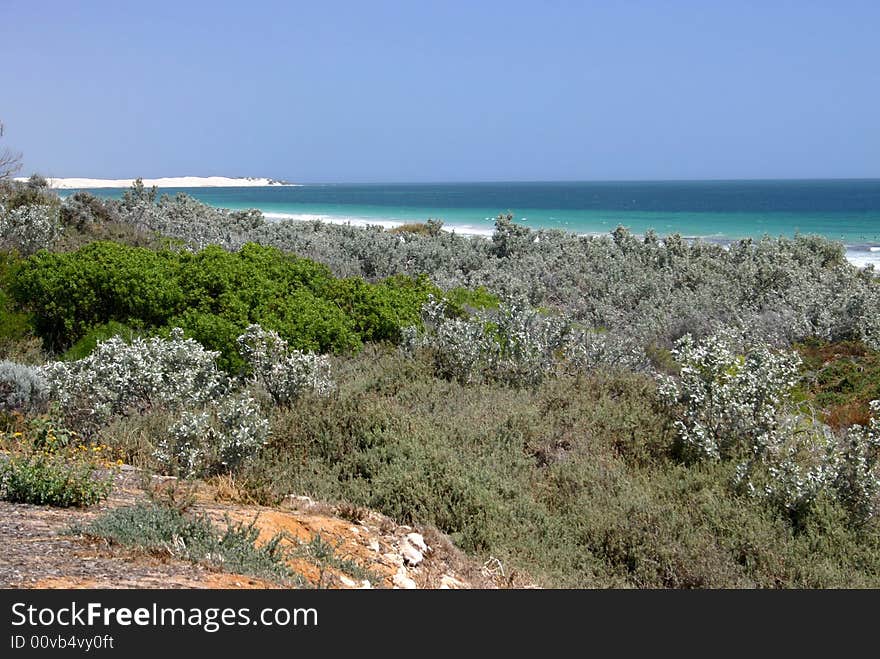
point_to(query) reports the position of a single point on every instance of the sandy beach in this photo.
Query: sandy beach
(166, 182)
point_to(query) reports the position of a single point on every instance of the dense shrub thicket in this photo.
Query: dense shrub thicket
(576, 481)
(213, 295)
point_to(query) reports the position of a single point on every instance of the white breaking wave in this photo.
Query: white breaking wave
(863, 258)
(460, 229)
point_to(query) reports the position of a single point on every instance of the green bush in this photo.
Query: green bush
(83, 348)
(380, 310)
(461, 301)
(213, 295)
(14, 324)
(47, 464)
(71, 293)
(52, 479)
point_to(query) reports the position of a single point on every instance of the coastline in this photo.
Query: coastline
(305, 203)
(860, 255)
(164, 182)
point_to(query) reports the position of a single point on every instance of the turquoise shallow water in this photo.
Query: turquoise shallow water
(844, 210)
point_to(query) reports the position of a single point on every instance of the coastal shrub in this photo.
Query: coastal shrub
(568, 484)
(86, 218)
(84, 347)
(17, 342)
(857, 478)
(213, 295)
(71, 293)
(792, 469)
(725, 396)
(283, 373)
(461, 301)
(380, 310)
(516, 344)
(22, 388)
(29, 229)
(429, 228)
(119, 378)
(16, 194)
(51, 480)
(652, 289)
(47, 464)
(732, 404)
(83, 209)
(13, 323)
(216, 438)
(586, 351)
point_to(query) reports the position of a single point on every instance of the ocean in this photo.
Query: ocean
(843, 210)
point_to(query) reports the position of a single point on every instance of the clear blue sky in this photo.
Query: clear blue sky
(443, 91)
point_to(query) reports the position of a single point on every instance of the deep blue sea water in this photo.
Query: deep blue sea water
(844, 210)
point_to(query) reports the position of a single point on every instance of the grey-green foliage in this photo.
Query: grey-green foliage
(284, 373)
(516, 344)
(726, 395)
(217, 437)
(120, 378)
(650, 289)
(733, 401)
(22, 388)
(29, 228)
(857, 479)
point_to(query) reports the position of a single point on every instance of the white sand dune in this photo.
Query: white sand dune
(167, 182)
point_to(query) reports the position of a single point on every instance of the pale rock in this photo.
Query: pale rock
(365, 585)
(411, 555)
(418, 542)
(402, 580)
(374, 545)
(347, 582)
(413, 548)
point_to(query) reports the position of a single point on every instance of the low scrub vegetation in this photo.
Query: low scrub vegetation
(168, 531)
(47, 464)
(593, 411)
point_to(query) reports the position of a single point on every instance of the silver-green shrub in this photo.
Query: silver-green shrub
(284, 373)
(650, 289)
(29, 228)
(792, 467)
(726, 397)
(128, 378)
(216, 438)
(734, 402)
(22, 388)
(514, 344)
(857, 480)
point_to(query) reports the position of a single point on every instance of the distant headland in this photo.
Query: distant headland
(166, 182)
